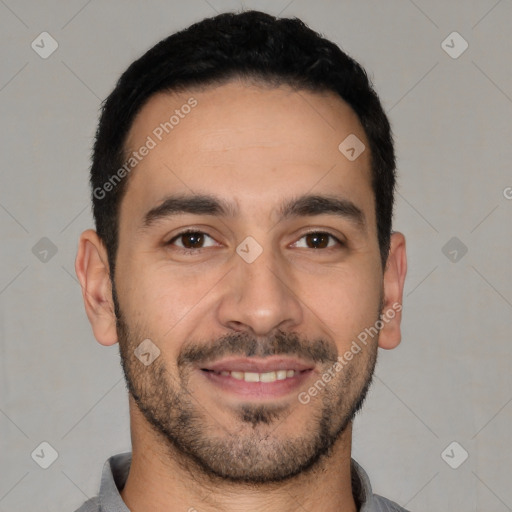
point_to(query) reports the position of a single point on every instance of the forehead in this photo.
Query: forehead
(247, 142)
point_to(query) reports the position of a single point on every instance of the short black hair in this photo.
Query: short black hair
(250, 45)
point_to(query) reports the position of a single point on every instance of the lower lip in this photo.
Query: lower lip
(276, 389)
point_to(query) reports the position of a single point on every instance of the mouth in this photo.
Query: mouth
(258, 378)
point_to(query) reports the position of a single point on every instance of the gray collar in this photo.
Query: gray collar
(116, 469)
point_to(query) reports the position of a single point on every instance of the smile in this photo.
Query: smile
(259, 377)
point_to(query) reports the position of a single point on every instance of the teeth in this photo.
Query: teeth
(268, 377)
(251, 377)
(260, 377)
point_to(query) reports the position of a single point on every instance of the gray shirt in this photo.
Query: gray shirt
(115, 473)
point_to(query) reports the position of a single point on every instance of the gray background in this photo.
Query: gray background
(450, 380)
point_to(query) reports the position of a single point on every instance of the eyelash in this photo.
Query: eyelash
(199, 249)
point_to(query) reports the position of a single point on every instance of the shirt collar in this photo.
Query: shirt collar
(361, 488)
(114, 476)
(117, 467)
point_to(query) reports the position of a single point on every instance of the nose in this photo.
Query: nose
(259, 298)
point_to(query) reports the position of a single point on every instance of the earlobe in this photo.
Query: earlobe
(92, 270)
(394, 278)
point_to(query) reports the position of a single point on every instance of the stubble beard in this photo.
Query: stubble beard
(250, 450)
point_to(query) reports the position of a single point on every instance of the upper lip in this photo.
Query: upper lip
(258, 365)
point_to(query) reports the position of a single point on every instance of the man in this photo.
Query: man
(242, 180)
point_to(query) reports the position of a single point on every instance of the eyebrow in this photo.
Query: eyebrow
(303, 206)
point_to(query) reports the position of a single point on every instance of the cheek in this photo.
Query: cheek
(346, 301)
(161, 298)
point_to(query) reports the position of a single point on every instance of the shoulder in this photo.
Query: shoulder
(385, 505)
(91, 505)
(363, 494)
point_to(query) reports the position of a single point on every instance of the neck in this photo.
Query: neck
(161, 480)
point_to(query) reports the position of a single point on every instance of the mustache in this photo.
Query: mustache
(244, 344)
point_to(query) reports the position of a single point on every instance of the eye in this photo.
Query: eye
(192, 240)
(317, 240)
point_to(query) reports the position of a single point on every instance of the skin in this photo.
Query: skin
(254, 147)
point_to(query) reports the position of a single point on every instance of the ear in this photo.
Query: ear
(92, 270)
(394, 277)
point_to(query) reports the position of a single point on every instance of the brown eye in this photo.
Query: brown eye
(317, 240)
(192, 240)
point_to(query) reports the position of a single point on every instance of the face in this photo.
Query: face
(248, 256)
